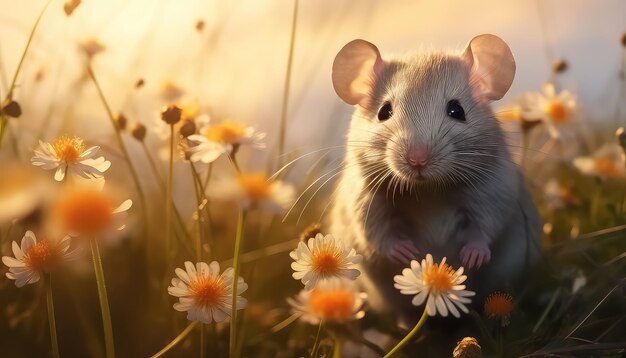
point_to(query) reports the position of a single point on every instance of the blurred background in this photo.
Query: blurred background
(228, 59)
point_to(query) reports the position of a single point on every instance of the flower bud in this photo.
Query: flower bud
(12, 109)
(559, 66)
(187, 128)
(120, 121)
(467, 348)
(138, 132)
(171, 114)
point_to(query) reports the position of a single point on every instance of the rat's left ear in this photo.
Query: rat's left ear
(492, 66)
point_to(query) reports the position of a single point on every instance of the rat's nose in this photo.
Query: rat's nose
(417, 157)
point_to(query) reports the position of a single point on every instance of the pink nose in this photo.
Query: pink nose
(417, 157)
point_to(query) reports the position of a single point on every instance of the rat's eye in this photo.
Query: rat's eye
(455, 110)
(385, 112)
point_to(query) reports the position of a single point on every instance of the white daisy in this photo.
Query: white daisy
(333, 301)
(89, 212)
(204, 293)
(555, 110)
(254, 190)
(69, 154)
(606, 162)
(324, 257)
(439, 285)
(32, 258)
(221, 139)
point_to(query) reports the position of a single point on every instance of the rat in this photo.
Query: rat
(427, 169)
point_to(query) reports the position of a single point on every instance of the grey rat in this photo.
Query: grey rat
(427, 168)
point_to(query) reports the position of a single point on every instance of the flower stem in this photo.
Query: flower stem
(122, 146)
(51, 321)
(409, 336)
(338, 347)
(104, 300)
(168, 198)
(233, 323)
(3, 118)
(202, 342)
(283, 114)
(317, 340)
(199, 211)
(176, 340)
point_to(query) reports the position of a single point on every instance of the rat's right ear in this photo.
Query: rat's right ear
(354, 71)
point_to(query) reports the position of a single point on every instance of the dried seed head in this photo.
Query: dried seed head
(559, 66)
(310, 231)
(200, 25)
(138, 131)
(120, 122)
(187, 128)
(467, 348)
(171, 114)
(12, 109)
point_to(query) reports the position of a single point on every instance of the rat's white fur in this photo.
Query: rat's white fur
(472, 192)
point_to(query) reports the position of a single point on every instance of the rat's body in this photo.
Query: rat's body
(421, 178)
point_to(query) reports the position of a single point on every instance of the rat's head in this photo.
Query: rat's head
(426, 118)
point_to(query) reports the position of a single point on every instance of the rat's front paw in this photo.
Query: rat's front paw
(475, 254)
(403, 251)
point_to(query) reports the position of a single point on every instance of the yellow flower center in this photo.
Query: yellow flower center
(498, 305)
(230, 132)
(332, 305)
(85, 212)
(606, 167)
(438, 278)
(255, 186)
(41, 256)
(326, 261)
(557, 111)
(208, 291)
(68, 149)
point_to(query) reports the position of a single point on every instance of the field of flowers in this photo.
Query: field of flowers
(152, 226)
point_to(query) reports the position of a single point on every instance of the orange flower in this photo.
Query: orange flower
(90, 212)
(499, 306)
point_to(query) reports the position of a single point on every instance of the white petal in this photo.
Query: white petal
(60, 173)
(123, 207)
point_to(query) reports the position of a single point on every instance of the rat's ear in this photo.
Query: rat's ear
(492, 66)
(355, 69)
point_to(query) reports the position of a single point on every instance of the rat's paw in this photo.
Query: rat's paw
(475, 254)
(403, 251)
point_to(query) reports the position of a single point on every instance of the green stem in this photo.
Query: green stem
(3, 118)
(104, 300)
(409, 336)
(199, 210)
(283, 114)
(233, 323)
(168, 198)
(179, 220)
(177, 340)
(317, 340)
(338, 347)
(51, 321)
(555, 295)
(202, 342)
(123, 148)
(233, 160)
